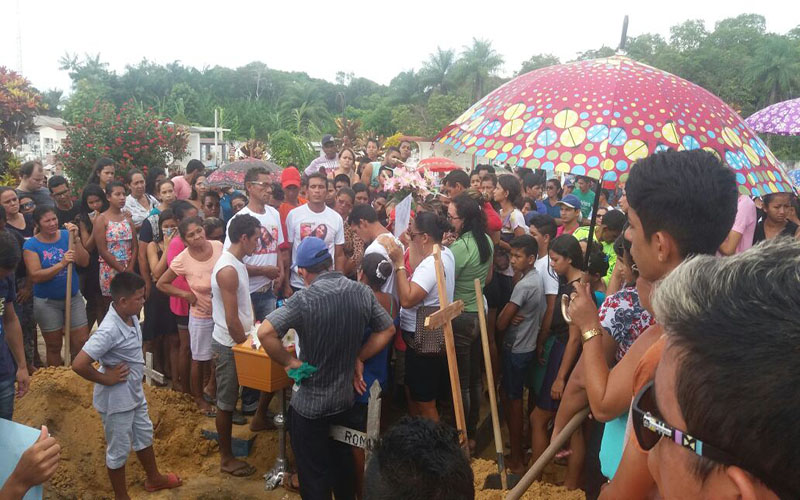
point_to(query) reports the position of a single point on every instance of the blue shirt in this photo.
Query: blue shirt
(8, 294)
(113, 343)
(552, 211)
(50, 254)
(542, 209)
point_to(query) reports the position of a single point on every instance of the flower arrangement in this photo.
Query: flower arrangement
(408, 179)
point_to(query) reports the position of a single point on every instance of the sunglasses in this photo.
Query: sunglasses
(650, 429)
(27, 205)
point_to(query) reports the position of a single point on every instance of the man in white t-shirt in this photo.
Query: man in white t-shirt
(233, 320)
(265, 266)
(543, 228)
(364, 221)
(318, 220)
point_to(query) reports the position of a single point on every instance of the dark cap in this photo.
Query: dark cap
(327, 138)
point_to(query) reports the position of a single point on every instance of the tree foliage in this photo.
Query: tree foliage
(736, 59)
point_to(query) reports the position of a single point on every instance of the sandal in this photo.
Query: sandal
(212, 413)
(243, 471)
(289, 481)
(173, 481)
(238, 418)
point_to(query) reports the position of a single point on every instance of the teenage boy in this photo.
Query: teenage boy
(118, 391)
(519, 341)
(570, 214)
(66, 209)
(543, 228)
(233, 320)
(606, 233)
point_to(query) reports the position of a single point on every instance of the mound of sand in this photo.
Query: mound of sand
(481, 468)
(62, 401)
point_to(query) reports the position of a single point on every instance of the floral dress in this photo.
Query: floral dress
(119, 240)
(624, 317)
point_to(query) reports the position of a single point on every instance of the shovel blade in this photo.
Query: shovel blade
(493, 481)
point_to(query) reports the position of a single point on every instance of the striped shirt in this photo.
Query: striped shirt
(330, 317)
(322, 162)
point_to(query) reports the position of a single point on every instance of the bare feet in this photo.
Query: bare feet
(515, 467)
(262, 422)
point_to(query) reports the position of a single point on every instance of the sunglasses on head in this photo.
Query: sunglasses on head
(649, 429)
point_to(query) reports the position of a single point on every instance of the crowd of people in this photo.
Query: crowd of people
(652, 298)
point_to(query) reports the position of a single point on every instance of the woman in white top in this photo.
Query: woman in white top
(426, 376)
(138, 203)
(347, 166)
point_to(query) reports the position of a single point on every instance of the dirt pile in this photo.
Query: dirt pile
(481, 468)
(62, 400)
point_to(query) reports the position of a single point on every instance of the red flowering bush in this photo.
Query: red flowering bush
(131, 136)
(19, 103)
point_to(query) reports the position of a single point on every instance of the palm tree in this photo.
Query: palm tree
(776, 69)
(479, 62)
(436, 72)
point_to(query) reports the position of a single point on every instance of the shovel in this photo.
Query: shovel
(503, 480)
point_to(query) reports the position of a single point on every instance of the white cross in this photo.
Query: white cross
(149, 373)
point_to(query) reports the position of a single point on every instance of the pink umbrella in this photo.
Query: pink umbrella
(597, 117)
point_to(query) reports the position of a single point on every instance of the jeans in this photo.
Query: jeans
(263, 304)
(28, 324)
(468, 355)
(323, 465)
(7, 391)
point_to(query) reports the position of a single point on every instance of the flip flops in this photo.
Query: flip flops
(289, 482)
(173, 481)
(243, 471)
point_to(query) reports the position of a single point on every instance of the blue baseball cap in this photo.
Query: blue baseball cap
(311, 252)
(570, 201)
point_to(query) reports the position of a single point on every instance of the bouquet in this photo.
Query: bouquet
(408, 179)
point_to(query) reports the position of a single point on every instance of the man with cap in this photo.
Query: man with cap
(327, 160)
(330, 316)
(570, 214)
(290, 182)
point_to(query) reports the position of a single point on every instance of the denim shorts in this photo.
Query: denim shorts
(49, 313)
(515, 368)
(7, 393)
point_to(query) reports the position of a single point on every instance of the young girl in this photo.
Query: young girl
(115, 238)
(93, 202)
(160, 330)
(375, 270)
(103, 173)
(567, 261)
(199, 190)
(498, 291)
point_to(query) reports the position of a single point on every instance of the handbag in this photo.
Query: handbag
(427, 341)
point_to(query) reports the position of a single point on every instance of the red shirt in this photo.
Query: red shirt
(493, 222)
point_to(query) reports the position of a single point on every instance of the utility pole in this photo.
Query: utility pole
(19, 40)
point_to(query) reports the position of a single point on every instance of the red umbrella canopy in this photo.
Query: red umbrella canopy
(438, 164)
(598, 117)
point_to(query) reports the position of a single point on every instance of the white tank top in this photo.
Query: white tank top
(221, 334)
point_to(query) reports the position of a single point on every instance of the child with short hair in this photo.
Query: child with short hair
(528, 304)
(118, 391)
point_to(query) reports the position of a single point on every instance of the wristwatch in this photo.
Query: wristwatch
(587, 335)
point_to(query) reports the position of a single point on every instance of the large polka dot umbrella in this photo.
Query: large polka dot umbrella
(232, 174)
(598, 117)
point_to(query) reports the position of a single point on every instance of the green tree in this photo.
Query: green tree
(775, 69)
(688, 35)
(53, 102)
(538, 61)
(478, 63)
(19, 104)
(603, 51)
(436, 73)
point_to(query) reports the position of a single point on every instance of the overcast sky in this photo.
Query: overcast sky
(373, 39)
